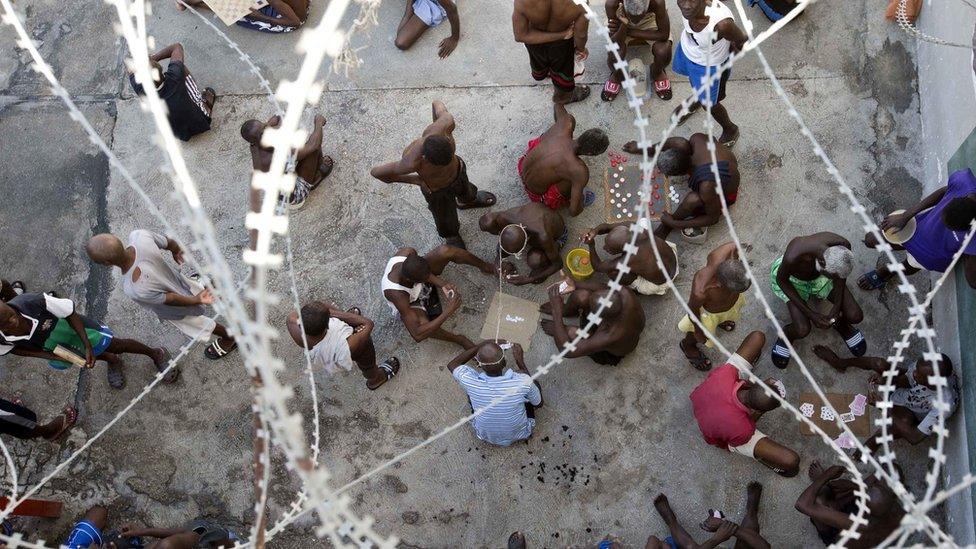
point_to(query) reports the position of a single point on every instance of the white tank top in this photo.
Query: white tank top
(387, 284)
(696, 45)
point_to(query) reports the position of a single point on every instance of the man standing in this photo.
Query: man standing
(717, 296)
(410, 283)
(709, 37)
(551, 169)
(816, 266)
(432, 164)
(639, 22)
(338, 339)
(311, 167)
(646, 275)
(615, 337)
(533, 230)
(554, 32)
(153, 283)
(512, 418)
(727, 406)
(19, 421)
(36, 325)
(189, 111)
(942, 220)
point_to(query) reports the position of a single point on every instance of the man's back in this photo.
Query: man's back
(549, 15)
(549, 162)
(506, 422)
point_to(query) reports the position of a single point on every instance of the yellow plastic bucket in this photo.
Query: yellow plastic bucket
(578, 263)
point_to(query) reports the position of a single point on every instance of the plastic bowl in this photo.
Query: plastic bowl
(902, 236)
(578, 263)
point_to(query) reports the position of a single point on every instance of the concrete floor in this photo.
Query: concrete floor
(607, 441)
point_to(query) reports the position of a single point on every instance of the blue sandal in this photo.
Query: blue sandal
(780, 354)
(871, 280)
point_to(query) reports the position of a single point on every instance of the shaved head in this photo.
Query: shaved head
(105, 249)
(513, 239)
(252, 130)
(491, 358)
(615, 307)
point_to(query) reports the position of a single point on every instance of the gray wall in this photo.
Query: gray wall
(948, 111)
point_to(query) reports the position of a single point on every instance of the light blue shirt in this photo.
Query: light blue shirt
(506, 422)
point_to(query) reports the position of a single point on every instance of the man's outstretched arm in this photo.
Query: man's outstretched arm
(173, 52)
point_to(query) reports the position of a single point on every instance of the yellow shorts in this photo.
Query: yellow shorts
(711, 320)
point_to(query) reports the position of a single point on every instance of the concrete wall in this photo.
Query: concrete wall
(948, 111)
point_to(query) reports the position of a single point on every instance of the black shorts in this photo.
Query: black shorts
(554, 60)
(606, 358)
(15, 420)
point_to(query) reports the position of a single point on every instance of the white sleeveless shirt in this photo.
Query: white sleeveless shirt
(696, 45)
(387, 284)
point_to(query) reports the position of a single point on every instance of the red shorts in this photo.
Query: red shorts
(552, 197)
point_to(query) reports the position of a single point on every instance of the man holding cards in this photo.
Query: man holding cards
(727, 407)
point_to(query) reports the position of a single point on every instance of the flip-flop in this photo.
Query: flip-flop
(483, 199)
(390, 367)
(115, 375)
(662, 88)
(18, 285)
(856, 344)
(712, 514)
(700, 362)
(215, 351)
(213, 94)
(326, 166)
(589, 197)
(580, 93)
(173, 372)
(727, 326)
(610, 91)
(355, 311)
(780, 354)
(871, 281)
(68, 418)
(731, 142)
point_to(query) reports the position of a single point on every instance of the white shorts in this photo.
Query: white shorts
(740, 363)
(914, 262)
(192, 326)
(749, 448)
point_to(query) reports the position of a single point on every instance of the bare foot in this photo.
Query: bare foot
(829, 357)
(816, 469)
(546, 326)
(753, 494)
(710, 524)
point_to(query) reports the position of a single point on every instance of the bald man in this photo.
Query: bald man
(532, 231)
(156, 285)
(312, 166)
(613, 339)
(512, 417)
(646, 275)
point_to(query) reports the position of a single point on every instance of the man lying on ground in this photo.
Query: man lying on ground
(421, 15)
(532, 231)
(646, 276)
(189, 111)
(338, 339)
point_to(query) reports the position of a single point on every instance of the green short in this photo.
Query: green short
(65, 335)
(819, 287)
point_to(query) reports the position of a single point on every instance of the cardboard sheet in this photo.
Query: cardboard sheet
(518, 322)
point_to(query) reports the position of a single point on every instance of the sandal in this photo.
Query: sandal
(326, 166)
(355, 311)
(162, 364)
(115, 375)
(68, 418)
(780, 354)
(214, 351)
(856, 344)
(662, 88)
(483, 199)
(390, 367)
(213, 96)
(610, 91)
(700, 362)
(580, 93)
(589, 197)
(871, 280)
(728, 325)
(730, 142)
(18, 287)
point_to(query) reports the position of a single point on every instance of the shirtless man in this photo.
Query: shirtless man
(830, 500)
(613, 339)
(551, 169)
(717, 296)
(554, 32)
(816, 266)
(646, 276)
(639, 22)
(701, 207)
(432, 164)
(410, 283)
(746, 532)
(311, 167)
(533, 230)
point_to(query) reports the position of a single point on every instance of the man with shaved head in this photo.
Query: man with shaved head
(431, 163)
(156, 285)
(614, 338)
(727, 407)
(311, 167)
(532, 231)
(646, 275)
(512, 418)
(551, 169)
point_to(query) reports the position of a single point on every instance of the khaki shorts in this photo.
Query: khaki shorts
(749, 448)
(648, 22)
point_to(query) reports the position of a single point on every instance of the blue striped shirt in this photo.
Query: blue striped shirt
(506, 422)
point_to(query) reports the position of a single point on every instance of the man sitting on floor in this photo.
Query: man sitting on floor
(338, 339)
(532, 230)
(615, 337)
(196, 534)
(942, 220)
(635, 23)
(727, 407)
(512, 418)
(153, 283)
(189, 111)
(410, 283)
(421, 15)
(646, 276)
(914, 413)
(717, 296)
(35, 325)
(278, 16)
(551, 169)
(746, 532)
(816, 266)
(312, 166)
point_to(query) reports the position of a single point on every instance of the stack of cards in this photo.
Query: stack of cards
(858, 405)
(806, 409)
(844, 441)
(826, 414)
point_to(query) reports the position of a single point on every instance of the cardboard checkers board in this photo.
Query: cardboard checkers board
(860, 425)
(622, 191)
(231, 11)
(518, 322)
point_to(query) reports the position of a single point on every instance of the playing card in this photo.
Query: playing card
(780, 388)
(826, 414)
(847, 418)
(806, 409)
(844, 441)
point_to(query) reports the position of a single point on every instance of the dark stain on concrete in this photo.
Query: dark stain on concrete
(894, 189)
(891, 76)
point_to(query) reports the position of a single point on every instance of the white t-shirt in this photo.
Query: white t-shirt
(157, 277)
